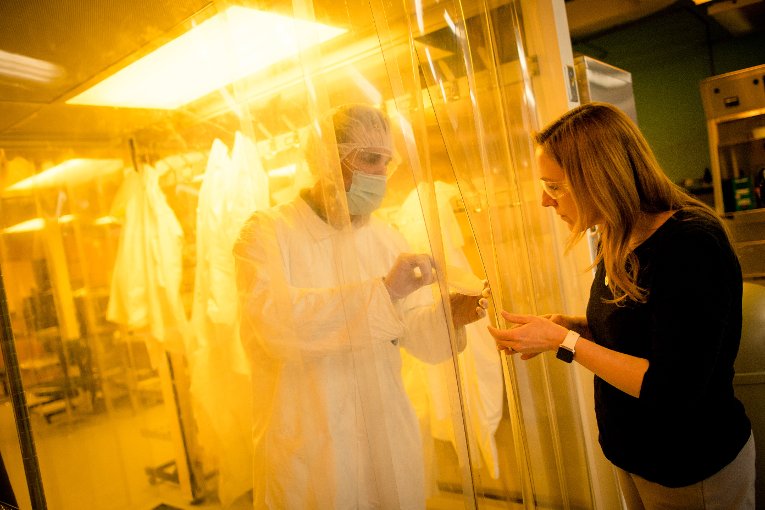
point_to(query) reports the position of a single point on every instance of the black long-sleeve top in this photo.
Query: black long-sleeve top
(687, 424)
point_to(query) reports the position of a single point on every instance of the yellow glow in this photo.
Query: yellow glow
(227, 47)
(32, 225)
(283, 171)
(106, 220)
(70, 172)
(36, 224)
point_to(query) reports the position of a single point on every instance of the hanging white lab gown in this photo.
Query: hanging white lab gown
(333, 427)
(480, 366)
(220, 381)
(146, 279)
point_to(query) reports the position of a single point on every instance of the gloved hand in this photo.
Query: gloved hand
(467, 309)
(410, 272)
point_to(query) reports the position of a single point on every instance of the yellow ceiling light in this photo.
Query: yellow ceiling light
(36, 224)
(70, 172)
(227, 47)
(106, 220)
(32, 225)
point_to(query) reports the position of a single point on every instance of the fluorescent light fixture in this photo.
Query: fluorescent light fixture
(32, 225)
(28, 68)
(220, 50)
(70, 172)
(36, 224)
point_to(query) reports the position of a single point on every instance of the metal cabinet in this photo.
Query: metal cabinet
(734, 105)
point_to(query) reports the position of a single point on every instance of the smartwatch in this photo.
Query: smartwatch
(566, 349)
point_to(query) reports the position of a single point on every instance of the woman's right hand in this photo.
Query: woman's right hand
(531, 335)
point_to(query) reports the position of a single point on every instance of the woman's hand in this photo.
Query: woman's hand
(537, 334)
(534, 335)
(572, 322)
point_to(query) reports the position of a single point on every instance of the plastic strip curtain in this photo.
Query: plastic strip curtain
(547, 390)
(471, 162)
(483, 101)
(333, 426)
(403, 72)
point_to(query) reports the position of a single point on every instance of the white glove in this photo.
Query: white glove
(410, 272)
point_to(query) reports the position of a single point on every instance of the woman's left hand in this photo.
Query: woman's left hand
(535, 334)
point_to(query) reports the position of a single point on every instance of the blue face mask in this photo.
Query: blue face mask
(366, 193)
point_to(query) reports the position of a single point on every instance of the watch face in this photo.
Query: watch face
(564, 354)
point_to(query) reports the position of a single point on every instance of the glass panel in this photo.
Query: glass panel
(208, 303)
(741, 157)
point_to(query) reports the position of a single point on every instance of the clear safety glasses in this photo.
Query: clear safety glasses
(372, 160)
(555, 189)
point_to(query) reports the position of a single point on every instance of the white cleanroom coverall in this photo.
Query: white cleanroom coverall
(232, 188)
(146, 280)
(333, 427)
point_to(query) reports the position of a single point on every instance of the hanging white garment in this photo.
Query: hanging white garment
(333, 427)
(232, 189)
(480, 366)
(146, 280)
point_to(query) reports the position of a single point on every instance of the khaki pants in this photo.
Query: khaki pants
(731, 488)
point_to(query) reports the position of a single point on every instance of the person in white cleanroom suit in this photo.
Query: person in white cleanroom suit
(328, 295)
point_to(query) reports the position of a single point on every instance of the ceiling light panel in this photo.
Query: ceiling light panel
(227, 47)
(70, 172)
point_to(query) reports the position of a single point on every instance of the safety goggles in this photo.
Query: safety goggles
(372, 160)
(554, 189)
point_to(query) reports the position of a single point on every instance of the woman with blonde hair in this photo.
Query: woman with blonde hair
(663, 322)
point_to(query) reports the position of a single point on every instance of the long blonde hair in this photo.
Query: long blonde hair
(614, 178)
